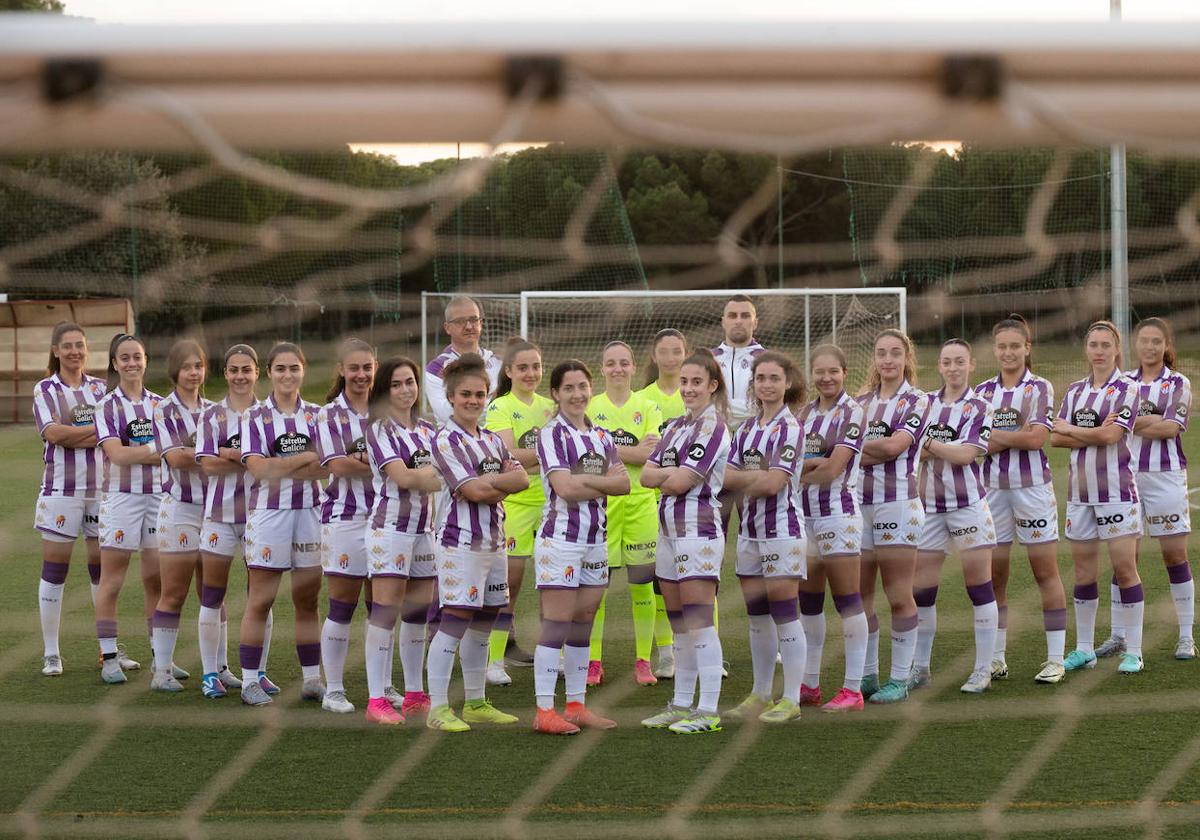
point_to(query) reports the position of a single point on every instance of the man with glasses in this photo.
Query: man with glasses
(463, 322)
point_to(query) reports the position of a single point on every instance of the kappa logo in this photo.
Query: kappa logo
(448, 564)
(377, 549)
(769, 568)
(451, 580)
(706, 551)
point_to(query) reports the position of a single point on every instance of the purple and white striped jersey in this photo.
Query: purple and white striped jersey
(561, 446)
(68, 471)
(132, 423)
(907, 410)
(225, 495)
(735, 363)
(341, 432)
(461, 457)
(774, 446)
(1168, 397)
(1031, 401)
(1101, 475)
(702, 446)
(967, 420)
(175, 428)
(435, 388)
(271, 433)
(404, 511)
(841, 425)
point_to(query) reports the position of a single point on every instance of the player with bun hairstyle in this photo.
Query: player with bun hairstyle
(688, 467)
(399, 538)
(479, 473)
(283, 526)
(64, 405)
(580, 471)
(1095, 420)
(132, 494)
(833, 426)
(517, 413)
(1020, 493)
(763, 465)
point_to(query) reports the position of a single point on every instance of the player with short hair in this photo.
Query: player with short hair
(956, 514)
(283, 527)
(182, 507)
(580, 470)
(896, 413)
(479, 474)
(517, 413)
(64, 405)
(1020, 493)
(1096, 417)
(739, 320)
(219, 454)
(463, 322)
(399, 538)
(833, 433)
(688, 467)
(632, 520)
(124, 421)
(764, 460)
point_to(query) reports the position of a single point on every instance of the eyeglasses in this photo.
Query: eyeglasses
(473, 321)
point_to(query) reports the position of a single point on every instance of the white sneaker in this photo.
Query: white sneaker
(126, 663)
(979, 681)
(335, 701)
(1052, 673)
(394, 697)
(312, 689)
(496, 675)
(165, 681)
(999, 669)
(228, 678)
(665, 669)
(52, 666)
(111, 671)
(1185, 649)
(1110, 647)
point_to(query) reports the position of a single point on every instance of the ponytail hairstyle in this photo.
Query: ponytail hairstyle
(565, 367)
(1168, 335)
(114, 378)
(910, 360)
(350, 345)
(61, 329)
(652, 366)
(829, 350)
(1112, 328)
(179, 353)
(793, 397)
(704, 358)
(381, 389)
(466, 365)
(512, 347)
(1018, 323)
(239, 350)
(281, 347)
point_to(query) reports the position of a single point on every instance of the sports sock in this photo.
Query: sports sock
(250, 657)
(1001, 648)
(1114, 609)
(764, 644)
(223, 640)
(1183, 593)
(854, 637)
(163, 635)
(266, 645)
(546, 657)
(685, 670)
(983, 599)
(473, 658)
(642, 597)
(904, 642)
(440, 661)
(926, 625)
(1133, 603)
(376, 647)
(596, 643)
(1055, 623)
(498, 638)
(412, 653)
(309, 655)
(871, 656)
(707, 646)
(792, 646)
(335, 642)
(1087, 602)
(575, 661)
(208, 628)
(663, 631)
(50, 595)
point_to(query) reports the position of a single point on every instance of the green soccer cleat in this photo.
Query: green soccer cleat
(1130, 664)
(782, 712)
(751, 707)
(668, 716)
(1079, 659)
(869, 685)
(697, 724)
(443, 719)
(482, 711)
(892, 691)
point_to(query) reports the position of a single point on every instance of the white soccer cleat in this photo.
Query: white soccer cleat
(979, 681)
(665, 669)
(52, 666)
(111, 672)
(127, 664)
(312, 689)
(1184, 649)
(335, 701)
(1110, 647)
(394, 697)
(999, 669)
(229, 679)
(1052, 673)
(165, 681)
(496, 675)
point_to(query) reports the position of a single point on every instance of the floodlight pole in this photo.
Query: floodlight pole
(1118, 222)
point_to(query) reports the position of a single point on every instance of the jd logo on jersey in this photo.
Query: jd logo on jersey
(696, 451)
(853, 431)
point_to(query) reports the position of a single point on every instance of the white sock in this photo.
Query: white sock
(685, 671)
(377, 647)
(1131, 620)
(854, 635)
(473, 657)
(162, 641)
(249, 675)
(792, 647)
(262, 666)
(1184, 596)
(208, 632)
(108, 645)
(1085, 623)
(814, 640)
(545, 675)
(904, 643)
(575, 668)
(764, 644)
(1001, 643)
(440, 663)
(1114, 608)
(707, 645)
(50, 608)
(1056, 644)
(95, 587)
(412, 655)
(335, 645)
(986, 617)
(926, 633)
(223, 641)
(871, 656)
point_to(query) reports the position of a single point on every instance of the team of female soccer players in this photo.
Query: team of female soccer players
(436, 526)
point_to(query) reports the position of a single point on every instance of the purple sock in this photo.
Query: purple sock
(57, 572)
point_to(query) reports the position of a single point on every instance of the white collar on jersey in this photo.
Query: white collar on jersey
(1136, 374)
(340, 401)
(1027, 376)
(452, 426)
(274, 406)
(966, 395)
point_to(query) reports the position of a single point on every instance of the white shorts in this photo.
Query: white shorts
(568, 565)
(1103, 522)
(1165, 508)
(393, 554)
(279, 540)
(892, 524)
(771, 558)
(129, 521)
(1028, 513)
(222, 538)
(64, 518)
(688, 558)
(344, 548)
(834, 536)
(179, 525)
(471, 579)
(963, 528)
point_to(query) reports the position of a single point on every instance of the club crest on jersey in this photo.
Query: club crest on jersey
(97, 389)
(1029, 389)
(569, 573)
(344, 561)
(119, 537)
(510, 544)
(637, 418)
(473, 594)
(968, 410)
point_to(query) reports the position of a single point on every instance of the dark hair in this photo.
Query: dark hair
(120, 338)
(61, 329)
(793, 397)
(512, 347)
(243, 349)
(1112, 328)
(1168, 334)
(1018, 323)
(562, 369)
(829, 350)
(381, 388)
(468, 364)
(652, 366)
(616, 342)
(281, 347)
(704, 358)
(740, 299)
(350, 345)
(179, 353)
(958, 342)
(910, 359)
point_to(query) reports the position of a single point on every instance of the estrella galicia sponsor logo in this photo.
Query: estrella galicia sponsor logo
(234, 441)
(670, 458)
(529, 439)
(291, 443)
(358, 445)
(590, 463)
(489, 466)
(877, 430)
(1085, 418)
(83, 414)
(139, 431)
(1115, 519)
(752, 459)
(623, 438)
(942, 433)
(814, 445)
(420, 458)
(1007, 419)
(1146, 408)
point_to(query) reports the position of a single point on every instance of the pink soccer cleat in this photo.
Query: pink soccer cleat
(415, 703)
(642, 674)
(595, 672)
(810, 696)
(379, 710)
(845, 701)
